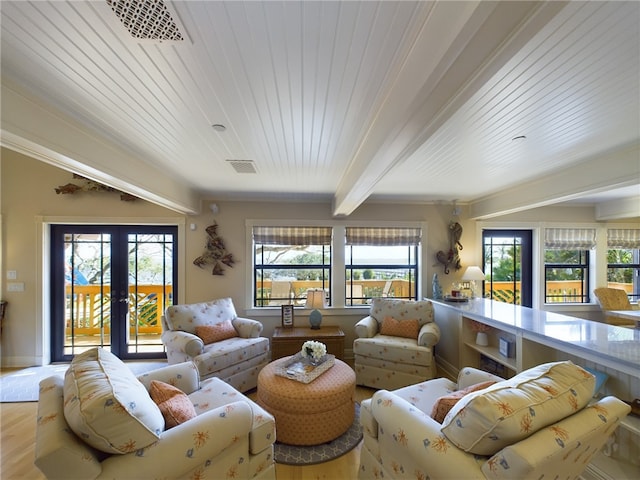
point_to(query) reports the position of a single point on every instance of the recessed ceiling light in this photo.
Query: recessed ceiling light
(519, 138)
(218, 127)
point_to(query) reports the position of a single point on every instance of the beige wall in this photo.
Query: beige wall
(28, 199)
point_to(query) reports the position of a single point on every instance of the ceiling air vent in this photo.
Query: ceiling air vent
(147, 20)
(243, 166)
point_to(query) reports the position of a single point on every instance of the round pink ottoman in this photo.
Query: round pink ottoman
(308, 413)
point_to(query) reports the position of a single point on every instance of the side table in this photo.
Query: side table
(288, 341)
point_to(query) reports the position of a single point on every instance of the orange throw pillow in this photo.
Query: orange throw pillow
(174, 404)
(400, 328)
(215, 333)
(446, 402)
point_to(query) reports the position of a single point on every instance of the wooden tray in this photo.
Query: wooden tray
(297, 368)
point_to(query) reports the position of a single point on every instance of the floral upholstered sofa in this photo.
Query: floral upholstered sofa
(539, 424)
(217, 341)
(102, 422)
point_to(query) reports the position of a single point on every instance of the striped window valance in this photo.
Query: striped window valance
(570, 238)
(383, 236)
(623, 238)
(292, 235)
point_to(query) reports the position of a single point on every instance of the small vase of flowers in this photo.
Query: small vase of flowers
(314, 352)
(481, 330)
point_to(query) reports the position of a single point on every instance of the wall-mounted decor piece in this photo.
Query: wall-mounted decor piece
(451, 258)
(215, 253)
(91, 186)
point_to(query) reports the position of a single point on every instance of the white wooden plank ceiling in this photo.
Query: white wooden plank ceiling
(343, 101)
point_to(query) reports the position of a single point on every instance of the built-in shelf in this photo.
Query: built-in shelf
(605, 468)
(494, 354)
(632, 424)
(541, 337)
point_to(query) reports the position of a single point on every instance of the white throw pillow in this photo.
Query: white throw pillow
(107, 406)
(485, 422)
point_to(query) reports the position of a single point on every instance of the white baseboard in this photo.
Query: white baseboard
(446, 369)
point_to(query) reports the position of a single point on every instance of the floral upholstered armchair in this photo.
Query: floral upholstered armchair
(395, 344)
(538, 424)
(102, 422)
(217, 341)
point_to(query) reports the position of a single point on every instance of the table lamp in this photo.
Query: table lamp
(472, 274)
(315, 300)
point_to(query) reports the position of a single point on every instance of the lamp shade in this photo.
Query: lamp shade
(316, 299)
(473, 273)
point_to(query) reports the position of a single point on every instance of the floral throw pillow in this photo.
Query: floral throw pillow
(215, 333)
(446, 402)
(400, 328)
(174, 404)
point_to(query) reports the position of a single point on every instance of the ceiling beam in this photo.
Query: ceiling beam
(452, 73)
(601, 173)
(40, 132)
(623, 208)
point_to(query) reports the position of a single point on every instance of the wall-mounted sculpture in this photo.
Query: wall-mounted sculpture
(215, 253)
(451, 257)
(92, 186)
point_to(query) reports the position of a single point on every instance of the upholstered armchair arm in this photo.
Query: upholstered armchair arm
(470, 376)
(188, 343)
(429, 335)
(186, 446)
(411, 440)
(367, 327)
(181, 375)
(57, 447)
(247, 327)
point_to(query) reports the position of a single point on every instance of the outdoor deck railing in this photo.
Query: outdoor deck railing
(88, 309)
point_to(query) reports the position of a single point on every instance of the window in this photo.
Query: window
(380, 262)
(623, 261)
(288, 261)
(566, 264)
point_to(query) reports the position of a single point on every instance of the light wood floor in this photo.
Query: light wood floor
(17, 438)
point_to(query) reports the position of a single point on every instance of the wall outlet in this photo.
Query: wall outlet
(15, 287)
(12, 274)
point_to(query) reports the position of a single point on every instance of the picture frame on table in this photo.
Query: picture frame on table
(287, 316)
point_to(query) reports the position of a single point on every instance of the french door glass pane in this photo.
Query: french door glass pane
(87, 322)
(150, 289)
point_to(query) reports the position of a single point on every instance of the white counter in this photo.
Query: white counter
(614, 347)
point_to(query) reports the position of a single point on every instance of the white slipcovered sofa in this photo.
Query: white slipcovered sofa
(100, 422)
(395, 344)
(237, 352)
(538, 424)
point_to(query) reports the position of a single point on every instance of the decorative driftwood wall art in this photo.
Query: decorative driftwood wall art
(451, 258)
(91, 186)
(215, 253)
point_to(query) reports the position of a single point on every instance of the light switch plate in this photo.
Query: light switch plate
(15, 287)
(12, 274)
